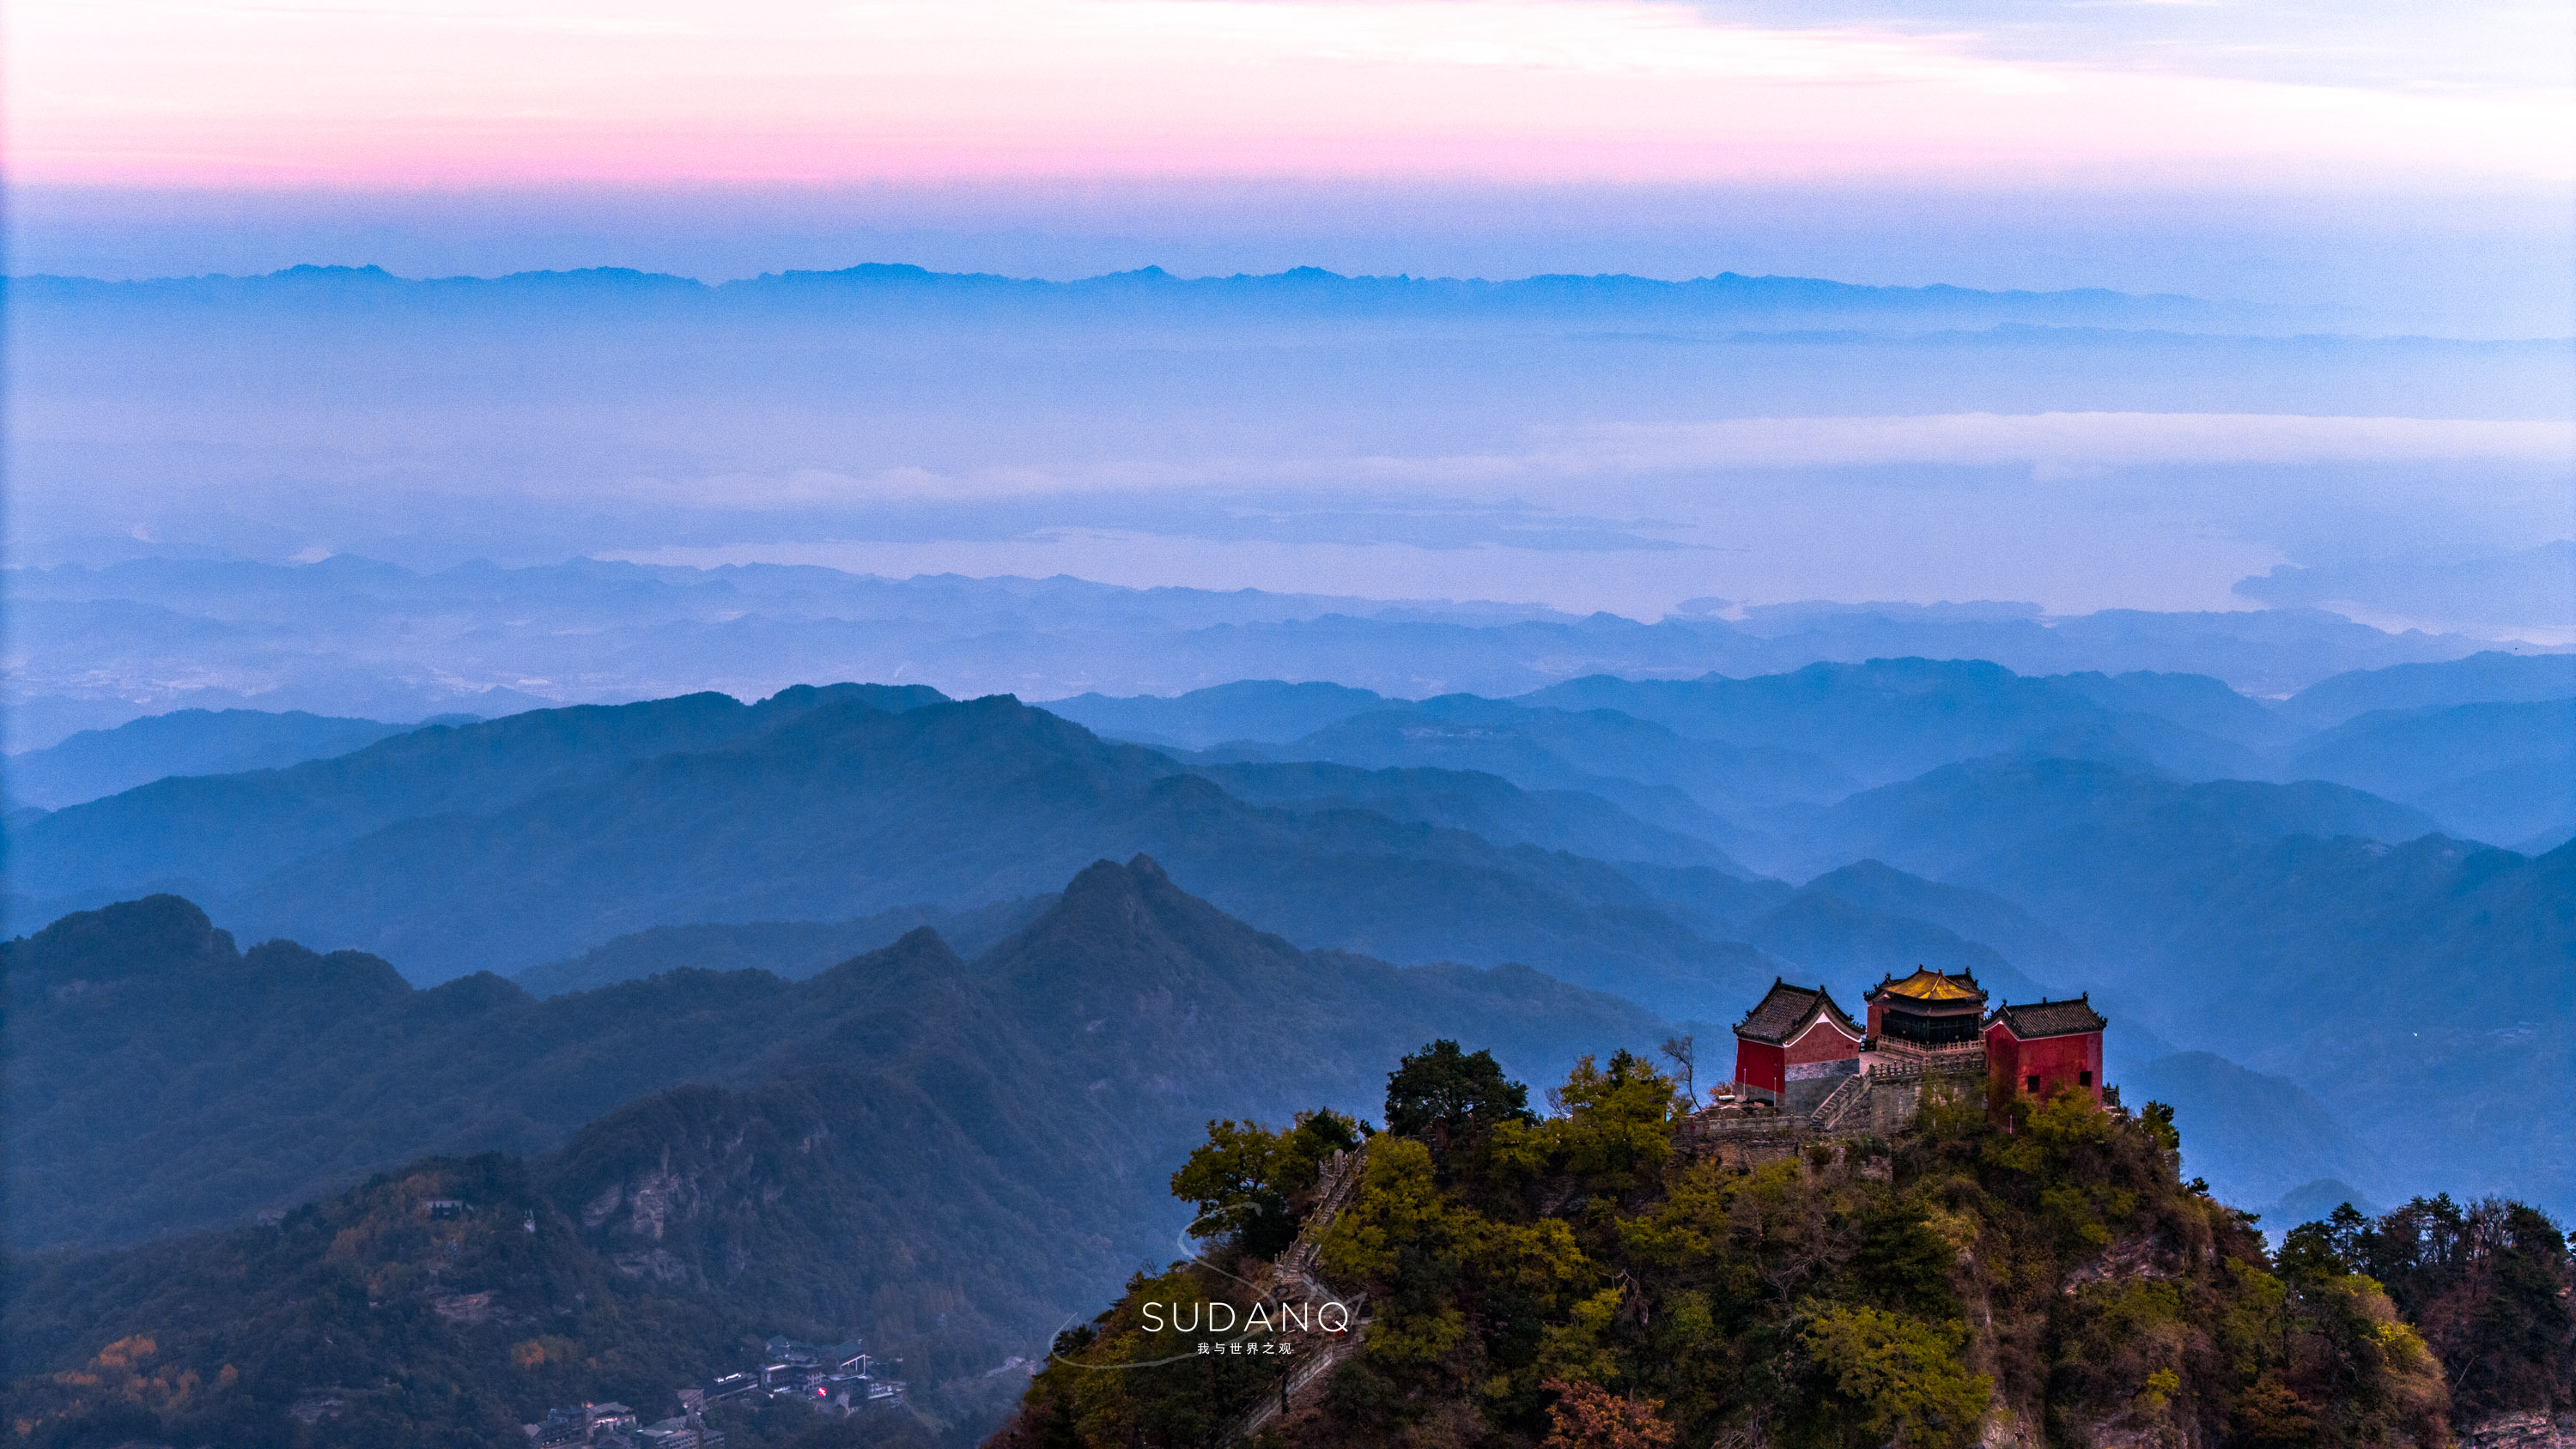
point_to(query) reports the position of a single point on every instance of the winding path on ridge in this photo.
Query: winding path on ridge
(1293, 1278)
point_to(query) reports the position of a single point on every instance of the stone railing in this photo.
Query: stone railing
(1914, 1066)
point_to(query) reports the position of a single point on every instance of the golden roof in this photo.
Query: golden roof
(1927, 984)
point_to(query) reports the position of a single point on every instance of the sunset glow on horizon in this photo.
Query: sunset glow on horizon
(1512, 91)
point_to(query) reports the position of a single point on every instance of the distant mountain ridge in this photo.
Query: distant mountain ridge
(240, 826)
(350, 636)
(97, 763)
(1727, 296)
(2489, 676)
(790, 950)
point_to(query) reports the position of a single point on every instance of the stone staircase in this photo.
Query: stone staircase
(1339, 1179)
(1311, 1371)
(1841, 1102)
(1293, 1276)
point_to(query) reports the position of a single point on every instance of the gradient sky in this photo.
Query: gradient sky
(2378, 154)
(374, 94)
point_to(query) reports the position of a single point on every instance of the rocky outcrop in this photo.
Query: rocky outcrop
(2531, 1429)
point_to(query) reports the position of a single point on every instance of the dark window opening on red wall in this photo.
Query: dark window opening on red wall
(2034, 1086)
(2083, 1079)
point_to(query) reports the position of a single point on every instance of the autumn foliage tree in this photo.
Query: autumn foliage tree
(1587, 1416)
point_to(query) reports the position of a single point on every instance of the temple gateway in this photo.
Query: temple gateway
(1797, 1046)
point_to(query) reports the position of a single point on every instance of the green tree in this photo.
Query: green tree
(1616, 1122)
(1247, 1181)
(1448, 1098)
(1896, 1380)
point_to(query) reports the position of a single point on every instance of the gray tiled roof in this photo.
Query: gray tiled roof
(1785, 1008)
(2051, 1018)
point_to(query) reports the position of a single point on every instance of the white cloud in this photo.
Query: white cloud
(2053, 445)
(2063, 441)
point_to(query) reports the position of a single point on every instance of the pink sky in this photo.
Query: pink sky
(396, 94)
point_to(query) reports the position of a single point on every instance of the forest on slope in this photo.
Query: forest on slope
(1586, 1279)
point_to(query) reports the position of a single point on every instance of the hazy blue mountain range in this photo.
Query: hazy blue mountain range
(907, 295)
(1742, 749)
(478, 1064)
(816, 805)
(891, 419)
(2489, 676)
(1981, 917)
(222, 832)
(1542, 747)
(2503, 772)
(2532, 583)
(1890, 719)
(1482, 804)
(710, 818)
(791, 950)
(94, 647)
(1258, 710)
(94, 763)
(2288, 928)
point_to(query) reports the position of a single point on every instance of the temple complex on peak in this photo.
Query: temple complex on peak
(1799, 1055)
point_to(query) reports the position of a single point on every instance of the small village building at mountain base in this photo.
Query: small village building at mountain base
(1801, 1060)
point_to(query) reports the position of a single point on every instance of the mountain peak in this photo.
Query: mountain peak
(151, 936)
(1128, 933)
(1141, 885)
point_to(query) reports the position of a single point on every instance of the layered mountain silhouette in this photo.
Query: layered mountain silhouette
(96, 763)
(163, 1078)
(354, 636)
(792, 950)
(898, 296)
(1259, 710)
(1638, 763)
(2487, 676)
(220, 832)
(566, 828)
(1575, 821)
(1891, 719)
(580, 847)
(2496, 771)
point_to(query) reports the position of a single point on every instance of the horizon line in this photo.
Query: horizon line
(1150, 272)
(1727, 612)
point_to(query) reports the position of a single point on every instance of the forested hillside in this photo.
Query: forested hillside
(946, 1157)
(1593, 1277)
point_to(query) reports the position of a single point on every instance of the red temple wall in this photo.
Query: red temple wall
(1823, 1042)
(2058, 1061)
(1761, 1064)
